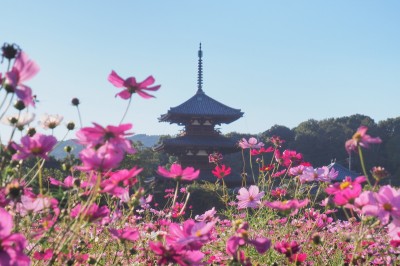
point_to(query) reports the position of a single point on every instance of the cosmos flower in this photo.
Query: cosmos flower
(23, 70)
(50, 121)
(131, 86)
(249, 198)
(221, 171)
(39, 145)
(178, 173)
(361, 138)
(251, 144)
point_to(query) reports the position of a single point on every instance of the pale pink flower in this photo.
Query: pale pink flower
(322, 174)
(385, 204)
(39, 145)
(249, 198)
(20, 120)
(50, 121)
(208, 216)
(178, 173)
(32, 204)
(131, 86)
(67, 183)
(251, 144)
(361, 138)
(92, 213)
(23, 70)
(291, 206)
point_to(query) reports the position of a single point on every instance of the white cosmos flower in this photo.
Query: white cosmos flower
(21, 121)
(50, 121)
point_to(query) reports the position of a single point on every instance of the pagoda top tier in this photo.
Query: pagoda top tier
(201, 106)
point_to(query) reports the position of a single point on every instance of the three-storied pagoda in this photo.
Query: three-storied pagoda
(199, 115)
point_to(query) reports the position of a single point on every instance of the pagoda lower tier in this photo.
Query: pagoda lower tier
(193, 150)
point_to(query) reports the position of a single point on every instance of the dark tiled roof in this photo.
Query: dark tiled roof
(343, 172)
(201, 105)
(216, 141)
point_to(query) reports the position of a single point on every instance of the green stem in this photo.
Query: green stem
(176, 194)
(126, 111)
(362, 164)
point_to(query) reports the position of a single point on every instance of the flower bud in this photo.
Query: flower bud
(10, 51)
(75, 101)
(19, 105)
(31, 131)
(70, 125)
(68, 149)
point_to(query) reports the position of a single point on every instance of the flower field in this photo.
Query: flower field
(286, 212)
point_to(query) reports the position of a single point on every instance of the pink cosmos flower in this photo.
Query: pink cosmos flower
(191, 235)
(39, 145)
(221, 171)
(386, 204)
(361, 138)
(43, 255)
(120, 180)
(102, 159)
(32, 204)
(241, 238)
(11, 245)
(174, 255)
(23, 70)
(347, 191)
(322, 174)
(288, 158)
(208, 216)
(127, 233)
(69, 182)
(262, 150)
(96, 136)
(178, 173)
(131, 86)
(92, 213)
(251, 144)
(249, 198)
(288, 205)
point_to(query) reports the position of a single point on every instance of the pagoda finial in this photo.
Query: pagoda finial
(200, 72)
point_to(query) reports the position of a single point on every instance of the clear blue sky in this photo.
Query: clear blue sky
(280, 62)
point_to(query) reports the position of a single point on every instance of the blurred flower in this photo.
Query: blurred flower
(291, 206)
(249, 198)
(127, 233)
(379, 172)
(215, 157)
(251, 144)
(208, 216)
(39, 145)
(346, 191)
(178, 173)
(10, 51)
(120, 180)
(101, 159)
(322, 174)
(11, 245)
(361, 138)
(50, 121)
(23, 70)
(221, 171)
(255, 152)
(131, 86)
(92, 213)
(96, 136)
(19, 121)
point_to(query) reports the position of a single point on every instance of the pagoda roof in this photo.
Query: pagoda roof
(202, 105)
(343, 172)
(187, 141)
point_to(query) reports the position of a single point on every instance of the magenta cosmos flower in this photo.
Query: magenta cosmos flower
(131, 86)
(120, 180)
(346, 191)
(23, 70)
(288, 205)
(221, 171)
(11, 245)
(96, 136)
(251, 144)
(128, 233)
(39, 145)
(361, 138)
(249, 198)
(178, 173)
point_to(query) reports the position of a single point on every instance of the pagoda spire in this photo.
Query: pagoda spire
(200, 72)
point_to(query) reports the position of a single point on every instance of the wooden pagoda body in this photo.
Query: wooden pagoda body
(199, 115)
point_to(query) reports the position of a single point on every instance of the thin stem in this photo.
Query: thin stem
(362, 164)
(126, 111)
(79, 116)
(176, 194)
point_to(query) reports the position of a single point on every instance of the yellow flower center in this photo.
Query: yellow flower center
(387, 207)
(344, 185)
(357, 137)
(36, 150)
